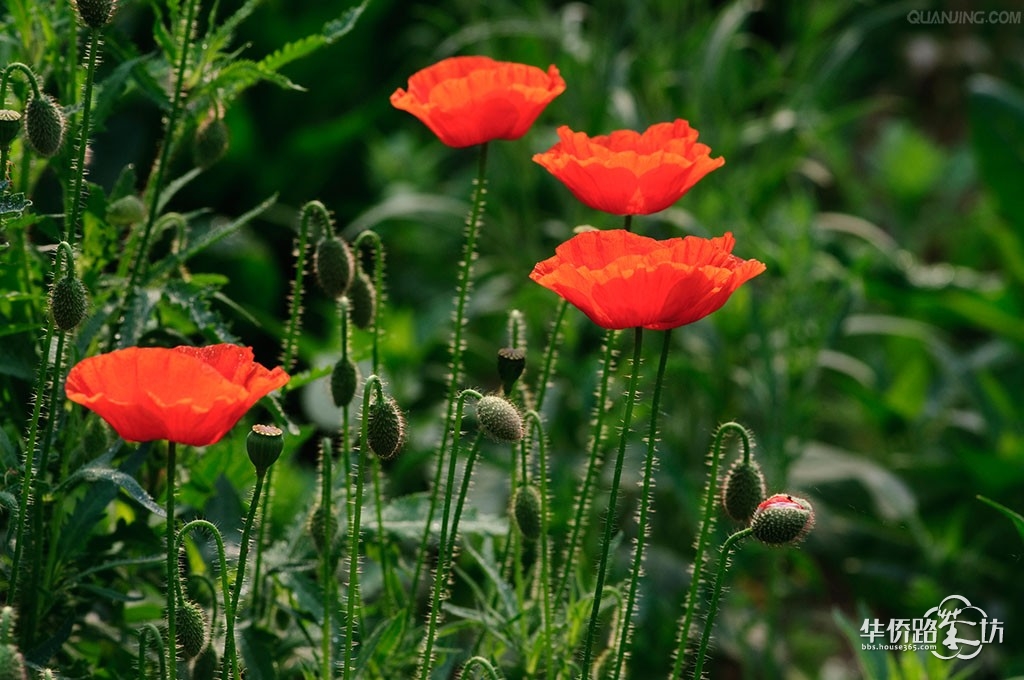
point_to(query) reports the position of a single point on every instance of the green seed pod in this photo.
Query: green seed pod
(12, 663)
(526, 510)
(316, 527)
(499, 419)
(126, 210)
(44, 125)
(334, 265)
(782, 519)
(743, 490)
(210, 142)
(385, 428)
(207, 664)
(511, 364)
(95, 13)
(344, 380)
(69, 302)
(192, 628)
(10, 125)
(362, 298)
(264, 445)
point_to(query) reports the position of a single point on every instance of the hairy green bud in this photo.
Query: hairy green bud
(385, 428)
(362, 298)
(334, 265)
(743, 490)
(782, 519)
(95, 13)
(69, 302)
(526, 510)
(44, 125)
(192, 628)
(499, 419)
(344, 380)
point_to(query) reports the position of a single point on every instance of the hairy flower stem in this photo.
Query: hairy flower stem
(704, 536)
(483, 663)
(230, 668)
(583, 500)
(354, 598)
(243, 554)
(172, 564)
(545, 557)
(625, 623)
(716, 594)
(441, 571)
(613, 494)
(326, 560)
(157, 177)
(70, 227)
(463, 286)
(150, 631)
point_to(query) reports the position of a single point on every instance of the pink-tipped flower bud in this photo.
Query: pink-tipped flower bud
(782, 519)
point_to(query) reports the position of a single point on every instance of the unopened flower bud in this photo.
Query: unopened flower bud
(126, 210)
(333, 265)
(210, 142)
(206, 665)
(192, 628)
(95, 13)
(782, 519)
(499, 419)
(12, 663)
(344, 380)
(322, 526)
(10, 125)
(44, 125)
(362, 298)
(264, 445)
(385, 428)
(69, 302)
(742, 490)
(511, 364)
(526, 510)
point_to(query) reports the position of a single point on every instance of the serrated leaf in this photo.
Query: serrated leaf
(194, 301)
(13, 204)
(256, 646)
(175, 186)
(127, 483)
(139, 310)
(7, 500)
(242, 74)
(333, 30)
(221, 38)
(403, 517)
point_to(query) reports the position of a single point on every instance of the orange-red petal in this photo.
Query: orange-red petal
(187, 395)
(471, 100)
(622, 280)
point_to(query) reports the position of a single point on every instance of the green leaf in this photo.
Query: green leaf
(873, 664)
(1015, 517)
(13, 203)
(403, 517)
(382, 643)
(333, 30)
(193, 299)
(140, 308)
(175, 186)
(256, 646)
(996, 116)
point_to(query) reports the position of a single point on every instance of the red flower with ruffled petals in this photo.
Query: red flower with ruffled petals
(471, 100)
(627, 172)
(623, 280)
(188, 395)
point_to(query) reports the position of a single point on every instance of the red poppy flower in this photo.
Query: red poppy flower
(189, 395)
(622, 280)
(471, 100)
(629, 173)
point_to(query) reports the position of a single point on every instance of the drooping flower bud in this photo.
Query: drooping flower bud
(333, 265)
(526, 510)
(126, 210)
(69, 302)
(44, 125)
(95, 13)
(264, 445)
(210, 142)
(322, 526)
(362, 298)
(192, 629)
(10, 125)
(743, 490)
(499, 419)
(782, 519)
(206, 665)
(344, 380)
(385, 428)
(511, 364)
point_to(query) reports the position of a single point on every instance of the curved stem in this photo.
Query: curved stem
(441, 571)
(625, 625)
(172, 564)
(704, 537)
(716, 594)
(378, 285)
(150, 631)
(71, 226)
(609, 518)
(462, 296)
(583, 500)
(230, 654)
(138, 265)
(5, 76)
(489, 669)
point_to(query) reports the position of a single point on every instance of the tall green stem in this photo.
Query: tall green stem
(230, 655)
(463, 286)
(71, 226)
(545, 557)
(172, 564)
(243, 553)
(326, 559)
(704, 537)
(626, 622)
(613, 495)
(716, 594)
